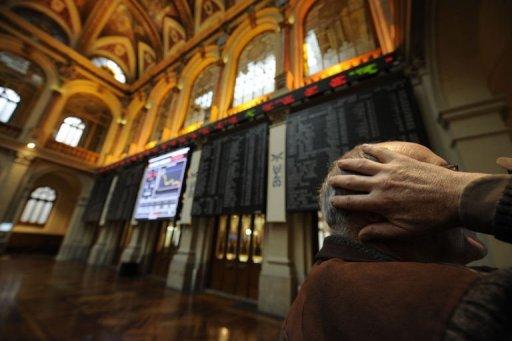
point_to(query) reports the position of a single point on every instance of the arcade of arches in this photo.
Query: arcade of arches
(88, 87)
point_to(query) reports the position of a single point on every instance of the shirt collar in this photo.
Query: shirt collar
(336, 246)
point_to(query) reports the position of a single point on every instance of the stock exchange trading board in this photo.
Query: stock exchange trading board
(318, 135)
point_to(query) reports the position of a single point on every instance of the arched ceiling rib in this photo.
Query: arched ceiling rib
(153, 27)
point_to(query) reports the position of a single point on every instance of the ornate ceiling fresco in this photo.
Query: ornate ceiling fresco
(133, 33)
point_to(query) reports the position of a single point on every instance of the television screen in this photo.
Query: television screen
(161, 186)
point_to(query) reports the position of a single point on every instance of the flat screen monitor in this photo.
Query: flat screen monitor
(161, 186)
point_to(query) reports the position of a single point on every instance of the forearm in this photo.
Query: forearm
(486, 206)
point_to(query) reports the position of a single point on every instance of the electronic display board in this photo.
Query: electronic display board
(161, 186)
(318, 135)
(232, 173)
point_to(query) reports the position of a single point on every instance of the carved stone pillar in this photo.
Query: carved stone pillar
(46, 123)
(284, 77)
(11, 196)
(97, 250)
(184, 264)
(277, 282)
(76, 240)
(277, 286)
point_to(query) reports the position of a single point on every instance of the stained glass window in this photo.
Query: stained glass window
(110, 66)
(70, 131)
(256, 69)
(9, 100)
(335, 31)
(202, 95)
(39, 206)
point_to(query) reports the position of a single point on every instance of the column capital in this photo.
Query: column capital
(24, 158)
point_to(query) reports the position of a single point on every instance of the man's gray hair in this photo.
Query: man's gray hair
(341, 222)
(337, 219)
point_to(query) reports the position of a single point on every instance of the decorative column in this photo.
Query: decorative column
(131, 256)
(96, 254)
(75, 242)
(110, 246)
(277, 281)
(43, 127)
(284, 77)
(183, 264)
(167, 130)
(217, 111)
(10, 198)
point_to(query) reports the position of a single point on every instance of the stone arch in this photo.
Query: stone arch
(387, 37)
(157, 95)
(84, 87)
(267, 20)
(103, 47)
(132, 112)
(72, 28)
(51, 81)
(69, 186)
(194, 67)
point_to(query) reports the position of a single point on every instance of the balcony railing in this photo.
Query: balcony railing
(79, 153)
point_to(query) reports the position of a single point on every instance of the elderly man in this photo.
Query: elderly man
(397, 289)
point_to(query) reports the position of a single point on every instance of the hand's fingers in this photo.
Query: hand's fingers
(384, 155)
(383, 231)
(362, 166)
(355, 202)
(358, 183)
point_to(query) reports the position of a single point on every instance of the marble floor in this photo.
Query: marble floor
(45, 300)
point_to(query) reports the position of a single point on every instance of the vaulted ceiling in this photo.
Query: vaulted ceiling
(133, 33)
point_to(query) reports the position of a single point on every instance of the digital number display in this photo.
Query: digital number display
(161, 186)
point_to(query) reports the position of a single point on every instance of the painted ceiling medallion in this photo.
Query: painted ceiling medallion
(58, 5)
(119, 50)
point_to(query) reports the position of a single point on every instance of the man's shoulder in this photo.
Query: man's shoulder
(395, 271)
(400, 299)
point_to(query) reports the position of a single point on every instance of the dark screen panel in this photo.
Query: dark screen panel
(125, 193)
(231, 175)
(318, 135)
(97, 198)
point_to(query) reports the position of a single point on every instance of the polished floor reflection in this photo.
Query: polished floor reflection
(45, 300)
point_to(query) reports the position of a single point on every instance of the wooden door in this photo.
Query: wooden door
(237, 257)
(166, 245)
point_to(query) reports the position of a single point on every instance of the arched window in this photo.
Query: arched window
(201, 97)
(39, 205)
(163, 116)
(110, 66)
(9, 100)
(335, 31)
(70, 131)
(256, 69)
(136, 129)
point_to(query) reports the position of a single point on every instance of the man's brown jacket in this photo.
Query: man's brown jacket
(358, 293)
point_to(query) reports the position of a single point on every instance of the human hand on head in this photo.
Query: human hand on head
(415, 197)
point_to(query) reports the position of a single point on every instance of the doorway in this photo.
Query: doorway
(166, 245)
(237, 254)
